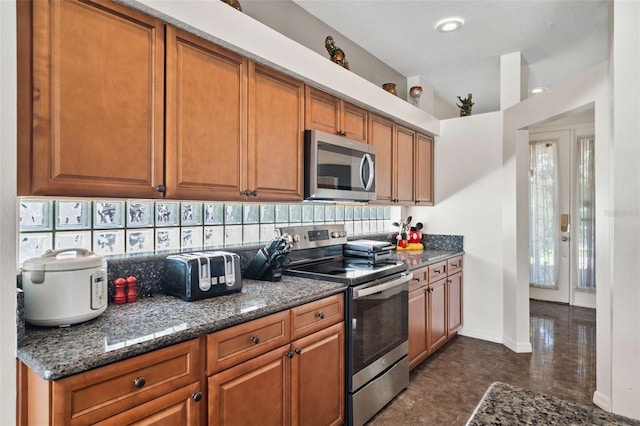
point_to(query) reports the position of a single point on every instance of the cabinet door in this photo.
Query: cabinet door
(417, 327)
(322, 111)
(317, 378)
(182, 407)
(381, 136)
(424, 170)
(454, 296)
(206, 119)
(354, 122)
(275, 150)
(437, 309)
(98, 96)
(255, 392)
(405, 165)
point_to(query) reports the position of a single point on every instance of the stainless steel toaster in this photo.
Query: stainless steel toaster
(200, 275)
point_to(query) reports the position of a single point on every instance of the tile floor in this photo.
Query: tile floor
(447, 386)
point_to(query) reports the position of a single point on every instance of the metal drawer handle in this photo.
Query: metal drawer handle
(140, 382)
(437, 271)
(255, 339)
(320, 315)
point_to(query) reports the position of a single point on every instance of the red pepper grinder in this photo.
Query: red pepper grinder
(119, 298)
(132, 295)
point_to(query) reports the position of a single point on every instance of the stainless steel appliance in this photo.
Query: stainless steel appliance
(376, 315)
(64, 287)
(337, 168)
(200, 275)
(375, 251)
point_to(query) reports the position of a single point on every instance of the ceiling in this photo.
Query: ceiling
(557, 39)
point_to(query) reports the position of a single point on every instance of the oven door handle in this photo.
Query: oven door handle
(357, 293)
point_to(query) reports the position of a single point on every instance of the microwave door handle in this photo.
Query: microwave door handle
(385, 286)
(366, 158)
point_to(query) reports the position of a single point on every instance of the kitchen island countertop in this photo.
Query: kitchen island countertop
(151, 323)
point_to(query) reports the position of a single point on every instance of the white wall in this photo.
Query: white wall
(625, 211)
(468, 178)
(8, 172)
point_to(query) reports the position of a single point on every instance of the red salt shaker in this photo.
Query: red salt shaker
(119, 298)
(132, 295)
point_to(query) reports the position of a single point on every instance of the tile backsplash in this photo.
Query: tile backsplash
(112, 227)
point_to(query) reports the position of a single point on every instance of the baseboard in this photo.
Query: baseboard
(479, 335)
(518, 347)
(602, 401)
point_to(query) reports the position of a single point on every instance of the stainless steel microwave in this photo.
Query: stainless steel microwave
(337, 168)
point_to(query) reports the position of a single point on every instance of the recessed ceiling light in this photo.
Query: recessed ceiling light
(537, 90)
(449, 24)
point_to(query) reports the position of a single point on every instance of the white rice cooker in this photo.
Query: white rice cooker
(64, 287)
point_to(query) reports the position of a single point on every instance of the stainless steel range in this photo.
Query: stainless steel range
(376, 313)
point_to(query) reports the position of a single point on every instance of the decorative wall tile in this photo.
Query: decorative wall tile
(267, 213)
(108, 214)
(213, 236)
(167, 238)
(109, 242)
(307, 213)
(379, 212)
(73, 239)
(232, 235)
(213, 213)
(36, 215)
(295, 213)
(251, 213)
(329, 213)
(365, 226)
(140, 240)
(387, 212)
(282, 213)
(348, 226)
(339, 216)
(348, 212)
(190, 214)
(357, 227)
(167, 213)
(267, 232)
(365, 213)
(73, 214)
(140, 214)
(34, 245)
(250, 234)
(232, 214)
(191, 237)
(357, 212)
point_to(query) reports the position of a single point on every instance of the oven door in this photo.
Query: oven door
(379, 327)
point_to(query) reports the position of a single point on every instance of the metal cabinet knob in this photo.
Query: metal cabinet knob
(197, 397)
(254, 193)
(320, 315)
(246, 193)
(255, 339)
(298, 351)
(565, 238)
(161, 188)
(140, 382)
(289, 355)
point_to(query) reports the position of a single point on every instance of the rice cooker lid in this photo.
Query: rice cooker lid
(71, 259)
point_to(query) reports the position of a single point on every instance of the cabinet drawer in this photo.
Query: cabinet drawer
(454, 265)
(420, 278)
(101, 393)
(236, 344)
(317, 315)
(437, 271)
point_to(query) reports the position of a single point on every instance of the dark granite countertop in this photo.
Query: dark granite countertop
(151, 323)
(504, 404)
(419, 259)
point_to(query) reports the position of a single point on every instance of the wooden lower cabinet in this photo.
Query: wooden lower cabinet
(298, 384)
(155, 388)
(435, 308)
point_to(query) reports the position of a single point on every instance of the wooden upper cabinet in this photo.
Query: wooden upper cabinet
(424, 170)
(276, 132)
(206, 119)
(333, 115)
(405, 165)
(381, 136)
(98, 96)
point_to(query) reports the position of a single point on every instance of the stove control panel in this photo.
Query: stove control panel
(311, 236)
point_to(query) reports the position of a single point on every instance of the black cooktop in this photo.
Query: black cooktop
(351, 271)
